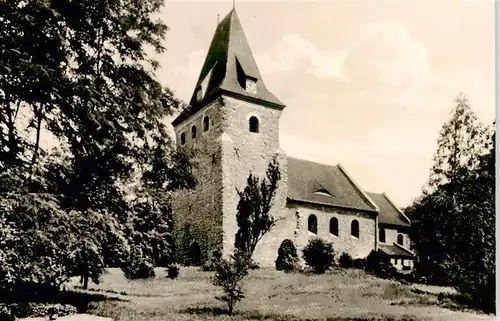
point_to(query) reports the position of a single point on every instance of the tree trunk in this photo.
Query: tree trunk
(86, 280)
(37, 140)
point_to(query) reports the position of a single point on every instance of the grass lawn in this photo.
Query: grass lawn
(271, 295)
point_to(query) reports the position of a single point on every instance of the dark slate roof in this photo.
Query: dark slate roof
(228, 60)
(309, 182)
(396, 251)
(388, 212)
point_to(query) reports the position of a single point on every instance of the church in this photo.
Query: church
(232, 128)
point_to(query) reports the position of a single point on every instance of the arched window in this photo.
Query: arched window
(334, 226)
(206, 123)
(381, 235)
(253, 124)
(193, 131)
(183, 138)
(355, 228)
(312, 224)
(400, 239)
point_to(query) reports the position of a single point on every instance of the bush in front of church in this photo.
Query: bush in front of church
(287, 259)
(346, 261)
(319, 255)
(380, 265)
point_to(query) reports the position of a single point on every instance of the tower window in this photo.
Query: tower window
(253, 124)
(334, 226)
(206, 123)
(355, 228)
(183, 138)
(381, 235)
(312, 224)
(400, 239)
(193, 131)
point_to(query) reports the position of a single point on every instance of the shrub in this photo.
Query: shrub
(345, 260)
(380, 265)
(319, 255)
(287, 259)
(138, 266)
(359, 263)
(229, 275)
(35, 310)
(173, 271)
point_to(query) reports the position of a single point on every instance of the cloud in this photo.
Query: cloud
(294, 52)
(386, 54)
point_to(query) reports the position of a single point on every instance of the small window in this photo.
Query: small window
(253, 124)
(400, 239)
(355, 228)
(312, 224)
(381, 235)
(193, 132)
(183, 138)
(334, 226)
(323, 192)
(206, 123)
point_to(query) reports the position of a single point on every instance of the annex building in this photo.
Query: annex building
(232, 127)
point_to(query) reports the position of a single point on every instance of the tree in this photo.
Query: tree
(461, 141)
(79, 70)
(472, 265)
(229, 275)
(319, 255)
(454, 221)
(31, 78)
(253, 216)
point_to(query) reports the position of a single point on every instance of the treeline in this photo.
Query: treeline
(454, 218)
(76, 76)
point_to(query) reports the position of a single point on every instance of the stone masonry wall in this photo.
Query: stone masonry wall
(344, 242)
(244, 152)
(391, 236)
(201, 208)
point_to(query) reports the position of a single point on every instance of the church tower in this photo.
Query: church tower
(232, 128)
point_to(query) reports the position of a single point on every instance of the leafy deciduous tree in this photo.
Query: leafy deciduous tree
(253, 217)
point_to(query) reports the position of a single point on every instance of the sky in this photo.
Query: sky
(367, 84)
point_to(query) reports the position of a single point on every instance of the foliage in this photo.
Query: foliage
(212, 262)
(138, 266)
(345, 260)
(77, 74)
(253, 216)
(319, 255)
(33, 241)
(461, 141)
(287, 259)
(359, 263)
(455, 221)
(173, 271)
(38, 310)
(229, 275)
(380, 265)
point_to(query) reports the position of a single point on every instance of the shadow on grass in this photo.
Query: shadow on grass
(451, 301)
(80, 300)
(256, 315)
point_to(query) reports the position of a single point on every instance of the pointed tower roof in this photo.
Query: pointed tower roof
(229, 69)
